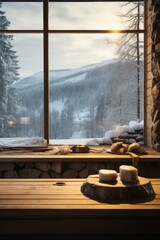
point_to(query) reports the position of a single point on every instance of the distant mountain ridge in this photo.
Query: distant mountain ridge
(92, 98)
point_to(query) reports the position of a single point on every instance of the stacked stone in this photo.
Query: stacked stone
(155, 68)
(130, 137)
(49, 169)
(70, 170)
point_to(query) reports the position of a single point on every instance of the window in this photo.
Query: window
(73, 70)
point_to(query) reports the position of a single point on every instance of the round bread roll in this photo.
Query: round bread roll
(116, 146)
(134, 147)
(125, 146)
(119, 147)
(142, 151)
(121, 150)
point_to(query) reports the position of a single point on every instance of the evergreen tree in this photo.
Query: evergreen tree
(54, 124)
(89, 123)
(8, 75)
(66, 124)
(100, 116)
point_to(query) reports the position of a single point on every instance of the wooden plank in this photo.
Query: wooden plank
(110, 207)
(60, 201)
(59, 184)
(55, 195)
(37, 187)
(73, 204)
(51, 197)
(42, 196)
(93, 157)
(47, 182)
(50, 185)
(40, 192)
(38, 180)
(51, 182)
(34, 180)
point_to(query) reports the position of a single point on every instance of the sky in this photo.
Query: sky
(66, 51)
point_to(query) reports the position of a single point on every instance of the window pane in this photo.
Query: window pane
(23, 15)
(95, 15)
(21, 91)
(93, 83)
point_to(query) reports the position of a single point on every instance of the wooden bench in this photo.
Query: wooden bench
(44, 207)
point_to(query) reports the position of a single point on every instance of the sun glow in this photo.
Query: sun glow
(113, 38)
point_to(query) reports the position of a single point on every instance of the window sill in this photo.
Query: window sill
(30, 156)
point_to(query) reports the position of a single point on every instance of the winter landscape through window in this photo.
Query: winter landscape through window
(95, 70)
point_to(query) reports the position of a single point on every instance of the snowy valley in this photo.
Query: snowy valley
(84, 102)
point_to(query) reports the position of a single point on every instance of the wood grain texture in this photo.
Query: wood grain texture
(35, 193)
(118, 191)
(36, 206)
(29, 156)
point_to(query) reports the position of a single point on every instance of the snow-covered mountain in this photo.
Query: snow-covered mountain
(84, 102)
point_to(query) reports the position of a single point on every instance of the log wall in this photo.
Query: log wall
(152, 84)
(149, 76)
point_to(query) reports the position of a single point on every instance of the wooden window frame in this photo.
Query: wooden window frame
(45, 32)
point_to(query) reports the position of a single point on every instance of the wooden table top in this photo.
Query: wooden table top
(96, 154)
(31, 207)
(45, 194)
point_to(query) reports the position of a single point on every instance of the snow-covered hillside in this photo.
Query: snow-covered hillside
(84, 102)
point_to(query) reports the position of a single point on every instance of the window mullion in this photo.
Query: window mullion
(46, 70)
(96, 31)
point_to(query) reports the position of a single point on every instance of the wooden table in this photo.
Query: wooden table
(99, 154)
(40, 207)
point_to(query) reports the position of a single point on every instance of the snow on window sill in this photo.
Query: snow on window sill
(22, 142)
